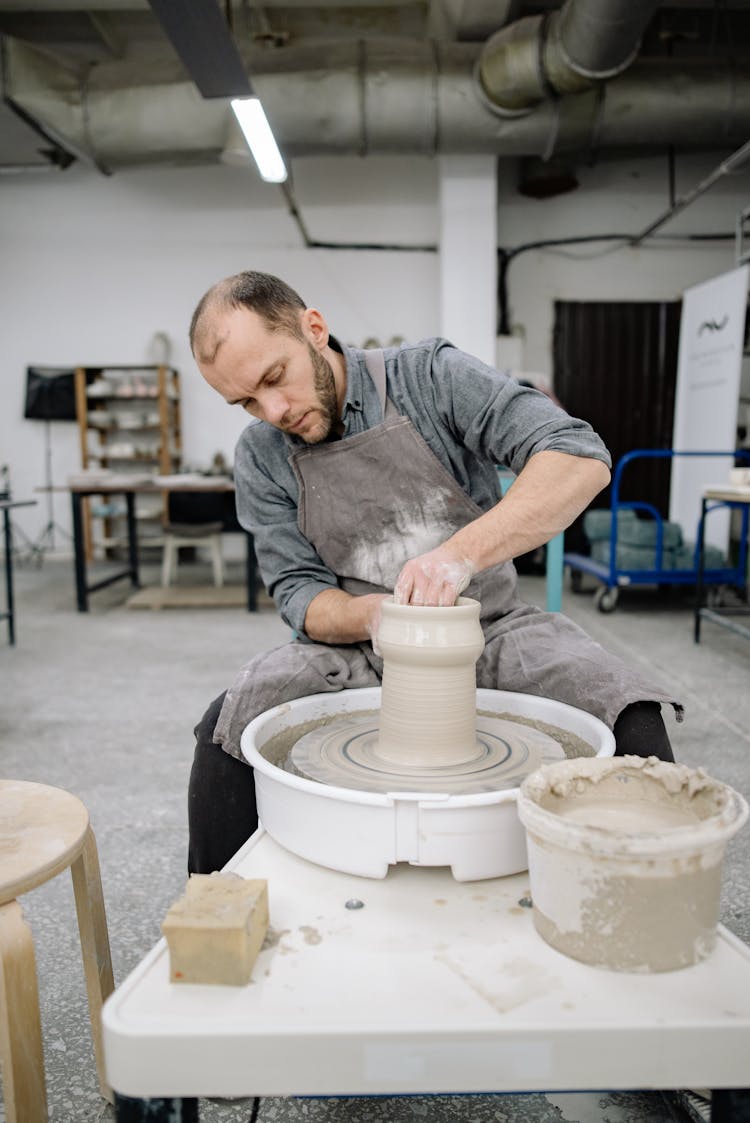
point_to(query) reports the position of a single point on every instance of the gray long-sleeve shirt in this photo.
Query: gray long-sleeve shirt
(473, 418)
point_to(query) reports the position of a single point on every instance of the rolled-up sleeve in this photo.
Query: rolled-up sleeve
(267, 496)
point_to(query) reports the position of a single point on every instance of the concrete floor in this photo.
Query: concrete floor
(103, 705)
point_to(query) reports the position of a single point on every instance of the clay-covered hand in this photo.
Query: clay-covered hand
(437, 578)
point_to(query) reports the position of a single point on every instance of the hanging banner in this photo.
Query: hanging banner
(706, 397)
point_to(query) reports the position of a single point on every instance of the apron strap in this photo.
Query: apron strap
(375, 363)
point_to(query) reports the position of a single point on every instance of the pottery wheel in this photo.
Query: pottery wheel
(344, 754)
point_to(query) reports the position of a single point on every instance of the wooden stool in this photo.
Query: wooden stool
(187, 534)
(44, 830)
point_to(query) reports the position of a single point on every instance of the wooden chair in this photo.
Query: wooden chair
(43, 831)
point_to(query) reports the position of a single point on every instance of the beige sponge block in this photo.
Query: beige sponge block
(216, 929)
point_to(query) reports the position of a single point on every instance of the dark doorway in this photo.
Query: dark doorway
(615, 365)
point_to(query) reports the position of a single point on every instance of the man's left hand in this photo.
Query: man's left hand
(436, 578)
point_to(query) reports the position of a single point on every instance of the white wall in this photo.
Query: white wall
(92, 267)
(621, 196)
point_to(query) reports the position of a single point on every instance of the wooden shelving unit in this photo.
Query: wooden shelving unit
(129, 422)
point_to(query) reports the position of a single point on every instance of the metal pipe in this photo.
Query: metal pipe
(599, 40)
(358, 99)
(731, 164)
(543, 57)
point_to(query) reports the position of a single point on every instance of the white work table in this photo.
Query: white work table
(433, 986)
(737, 495)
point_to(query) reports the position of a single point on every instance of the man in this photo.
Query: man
(366, 472)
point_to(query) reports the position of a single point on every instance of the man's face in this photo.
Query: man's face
(275, 376)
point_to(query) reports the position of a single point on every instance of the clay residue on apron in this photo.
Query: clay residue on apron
(418, 527)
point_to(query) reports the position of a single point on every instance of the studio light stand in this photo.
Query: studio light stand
(46, 539)
(50, 396)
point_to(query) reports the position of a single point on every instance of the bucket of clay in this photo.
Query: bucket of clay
(625, 859)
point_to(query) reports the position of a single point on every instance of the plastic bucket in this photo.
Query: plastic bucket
(625, 859)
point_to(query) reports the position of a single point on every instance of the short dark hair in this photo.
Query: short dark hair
(273, 299)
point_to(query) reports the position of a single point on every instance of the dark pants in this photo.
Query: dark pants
(221, 797)
(221, 800)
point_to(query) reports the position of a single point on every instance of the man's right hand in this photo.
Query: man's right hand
(436, 578)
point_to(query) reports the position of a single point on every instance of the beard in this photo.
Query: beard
(324, 385)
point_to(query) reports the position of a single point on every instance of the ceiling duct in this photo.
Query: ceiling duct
(343, 98)
(561, 52)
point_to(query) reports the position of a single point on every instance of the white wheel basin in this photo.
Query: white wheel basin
(363, 833)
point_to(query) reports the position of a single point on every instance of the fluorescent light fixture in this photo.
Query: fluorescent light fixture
(257, 132)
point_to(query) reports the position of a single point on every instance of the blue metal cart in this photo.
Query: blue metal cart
(613, 578)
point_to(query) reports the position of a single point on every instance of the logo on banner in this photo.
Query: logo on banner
(712, 325)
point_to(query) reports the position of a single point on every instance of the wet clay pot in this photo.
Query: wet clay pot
(428, 709)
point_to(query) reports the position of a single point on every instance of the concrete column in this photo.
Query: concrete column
(468, 253)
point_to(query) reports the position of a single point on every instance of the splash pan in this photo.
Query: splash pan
(479, 835)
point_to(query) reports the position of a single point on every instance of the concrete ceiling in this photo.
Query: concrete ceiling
(104, 83)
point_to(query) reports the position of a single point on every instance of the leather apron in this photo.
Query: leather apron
(370, 503)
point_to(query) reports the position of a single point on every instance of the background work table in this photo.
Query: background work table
(129, 489)
(432, 986)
